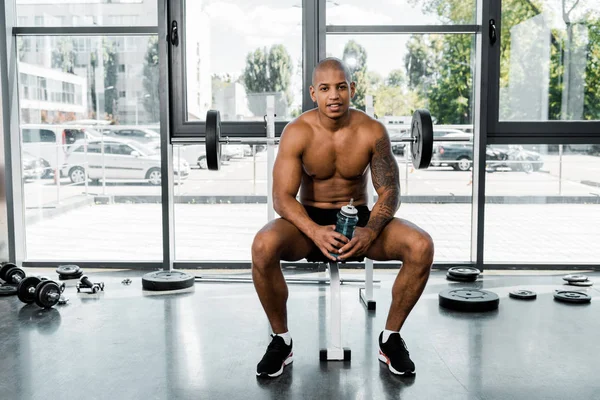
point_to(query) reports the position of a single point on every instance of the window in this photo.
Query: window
(88, 13)
(562, 40)
(542, 204)
(386, 12)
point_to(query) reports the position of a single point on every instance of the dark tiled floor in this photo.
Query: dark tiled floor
(129, 344)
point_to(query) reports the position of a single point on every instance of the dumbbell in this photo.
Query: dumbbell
(44, 292)
(11, 274)
(86, 283)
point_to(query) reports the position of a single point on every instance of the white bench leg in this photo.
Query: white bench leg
(334, 350)
(366, 293)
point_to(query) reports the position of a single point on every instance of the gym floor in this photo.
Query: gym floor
(204, 343)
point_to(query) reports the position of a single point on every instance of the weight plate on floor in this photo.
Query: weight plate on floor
(522, 294)
(68, 277)
(13, 273)
(26, 289)
(8, 290)
(575, 278)
(167, 280)
(454, 278)
(213, 140)
(464, 271)
(471, 300)
(5, 268)
(68, 269)
(421, 148)
(569, 296)
(584, 283)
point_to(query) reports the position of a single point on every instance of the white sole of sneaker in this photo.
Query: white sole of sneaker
(383, 358)
(276, 374)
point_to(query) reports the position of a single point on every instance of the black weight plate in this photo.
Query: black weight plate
(522, 294)
(460, 278)
(26, 295)
(421, 131)
(69, 277)
(470, 300)
(575, 278)
(213, 140)
(8, 290)
(464, 271)
(569, 296)
(13, 273)
(43, 290)
(167, 280)
(68, 269)
(5, 268)
(584, 283)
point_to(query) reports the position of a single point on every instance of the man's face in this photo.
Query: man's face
(332, 92)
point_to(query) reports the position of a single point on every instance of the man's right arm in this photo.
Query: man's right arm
(287, 176)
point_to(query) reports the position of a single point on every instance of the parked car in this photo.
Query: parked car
(123, 160)
(33, 167)
(459, 155)
(399, 147)
(137, 134)
(51, 142)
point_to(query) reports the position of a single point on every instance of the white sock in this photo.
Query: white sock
(386, 335)
(287, 338)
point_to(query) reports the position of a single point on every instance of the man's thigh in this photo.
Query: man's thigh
(395, 240)
(291, 242)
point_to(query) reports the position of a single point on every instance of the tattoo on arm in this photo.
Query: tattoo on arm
(384, 170)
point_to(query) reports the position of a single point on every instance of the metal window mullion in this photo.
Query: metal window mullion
(480, 85)
(9, 118)
(85, 30)
(400, 29)
(310, 47)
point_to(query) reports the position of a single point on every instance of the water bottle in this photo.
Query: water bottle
(347, 218)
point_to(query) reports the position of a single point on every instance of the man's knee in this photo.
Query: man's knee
(422, 249)
(265, 248)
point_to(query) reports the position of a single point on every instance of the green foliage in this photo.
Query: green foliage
(110, 78)
(150, 78)
(269, 71)
(63, 55)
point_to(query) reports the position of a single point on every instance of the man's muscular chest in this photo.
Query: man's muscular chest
(327, 158)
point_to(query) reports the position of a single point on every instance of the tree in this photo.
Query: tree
(396, 77)
(63, 55)
(355, 58)
(269, 71)
(110, 78)
(421, 61)
(151, 78)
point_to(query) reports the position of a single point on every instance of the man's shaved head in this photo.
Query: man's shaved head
(331, 63)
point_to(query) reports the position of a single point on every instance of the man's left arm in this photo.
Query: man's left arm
(386, 180)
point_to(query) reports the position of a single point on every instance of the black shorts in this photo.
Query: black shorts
(323, 216)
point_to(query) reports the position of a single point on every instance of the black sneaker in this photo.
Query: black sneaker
(278, 355)
(395, 354)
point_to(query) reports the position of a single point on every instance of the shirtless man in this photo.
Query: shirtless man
(325, 153)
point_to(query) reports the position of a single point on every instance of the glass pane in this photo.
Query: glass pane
(410, 12)
(86, 13)
(239, 52)
(549, 59)
(232, 203)
(77, 95)
(542, 204)
(431, 71)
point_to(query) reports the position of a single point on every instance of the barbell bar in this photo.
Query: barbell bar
(421, 139)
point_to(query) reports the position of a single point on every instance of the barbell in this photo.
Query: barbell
(421, 139)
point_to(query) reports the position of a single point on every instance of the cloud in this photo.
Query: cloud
(262, 21)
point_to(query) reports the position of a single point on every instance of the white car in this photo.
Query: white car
(123, 160)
